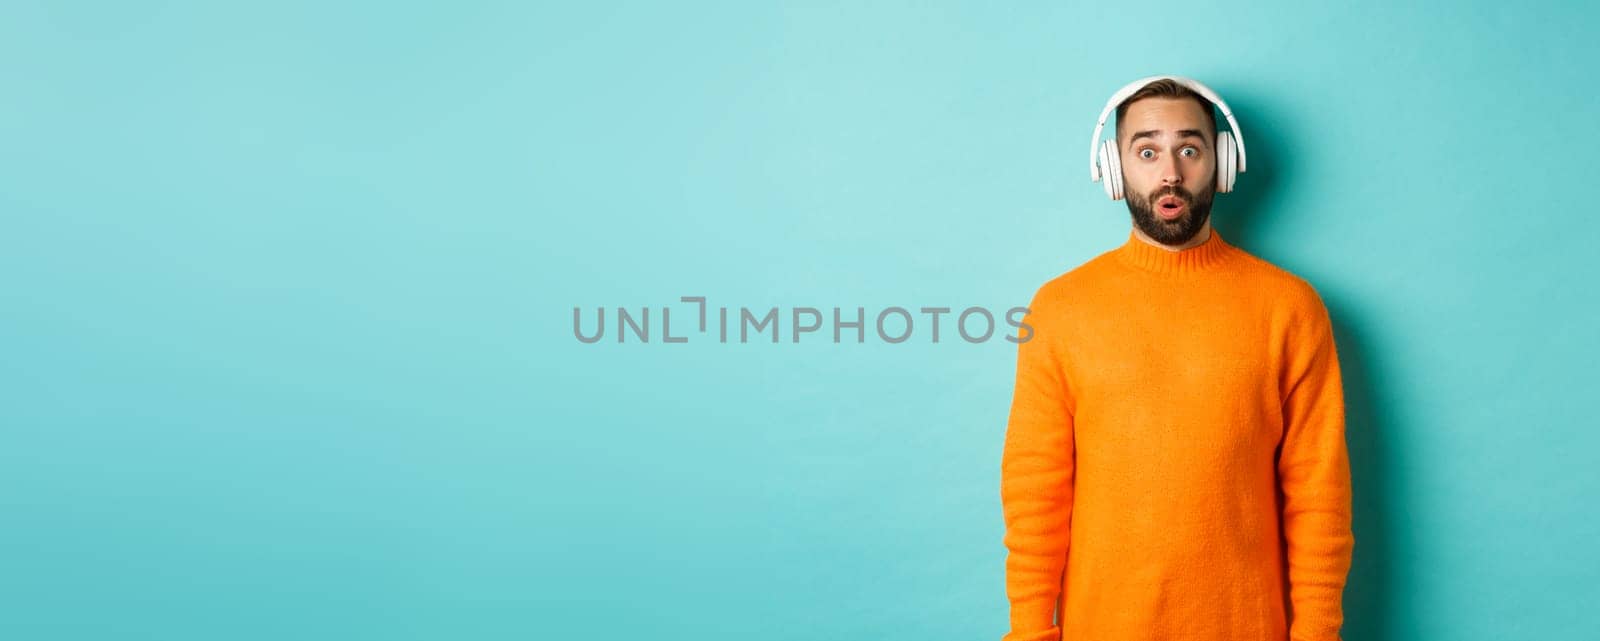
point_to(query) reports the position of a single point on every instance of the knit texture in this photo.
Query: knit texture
(1175, 464)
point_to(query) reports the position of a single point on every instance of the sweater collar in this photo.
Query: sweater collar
(1203, 257)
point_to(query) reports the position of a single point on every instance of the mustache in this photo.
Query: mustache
(1179, 192)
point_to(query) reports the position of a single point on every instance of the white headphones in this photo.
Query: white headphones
(1105, 160)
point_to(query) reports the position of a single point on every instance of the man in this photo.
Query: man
(1174, 463)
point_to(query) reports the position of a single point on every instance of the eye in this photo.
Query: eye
(1147, 153)
(1189, 149)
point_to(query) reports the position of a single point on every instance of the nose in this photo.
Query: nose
(1170, 174)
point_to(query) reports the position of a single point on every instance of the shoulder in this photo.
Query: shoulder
(1059, 301)
(1297, 309)
(1287, 289)
(1074, 284)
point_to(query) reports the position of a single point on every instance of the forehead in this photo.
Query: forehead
(1165, 115)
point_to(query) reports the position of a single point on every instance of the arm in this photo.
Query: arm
(1036, 482)
(1314, 476)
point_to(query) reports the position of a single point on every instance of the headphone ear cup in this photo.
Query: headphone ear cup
(1111, 166)
(1105, 170)
(1227, 162)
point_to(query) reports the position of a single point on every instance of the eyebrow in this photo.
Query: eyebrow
(1182, 133)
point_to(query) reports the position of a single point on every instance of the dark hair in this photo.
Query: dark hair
(1166, 88)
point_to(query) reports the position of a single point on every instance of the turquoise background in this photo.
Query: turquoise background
(289, 286)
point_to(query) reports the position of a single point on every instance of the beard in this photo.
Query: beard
(1177, 231)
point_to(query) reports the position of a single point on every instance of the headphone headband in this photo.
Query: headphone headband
(1128, 90)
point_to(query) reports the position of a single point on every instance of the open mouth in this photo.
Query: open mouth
(1170, 206)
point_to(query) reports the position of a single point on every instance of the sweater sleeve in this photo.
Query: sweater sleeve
(1036, 483)
(1314, 477)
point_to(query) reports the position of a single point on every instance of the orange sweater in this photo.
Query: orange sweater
(1174, 464)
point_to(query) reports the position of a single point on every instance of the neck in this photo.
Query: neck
(1207, 252)
(1199, 238)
